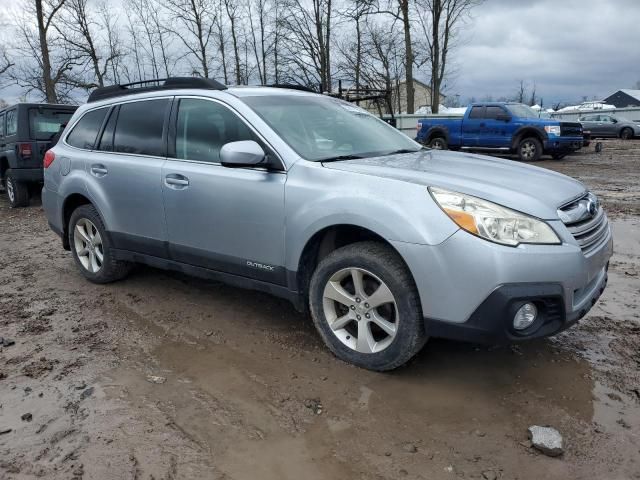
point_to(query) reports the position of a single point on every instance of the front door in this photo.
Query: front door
(225, 219)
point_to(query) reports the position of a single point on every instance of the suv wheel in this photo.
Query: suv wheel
(90, 247)
(530, 149)
(626, 134)
(17, 192)
(366, 307)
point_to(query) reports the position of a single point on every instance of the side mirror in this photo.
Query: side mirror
(613, 120)
(245, 153)
(503, 117)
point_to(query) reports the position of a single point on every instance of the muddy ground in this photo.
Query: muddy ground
(250, 392)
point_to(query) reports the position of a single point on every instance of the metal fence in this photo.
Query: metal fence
(407, 123)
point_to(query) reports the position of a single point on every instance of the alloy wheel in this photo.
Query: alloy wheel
(360, 310)
(88, 245)
(528, 150)
(10, 192)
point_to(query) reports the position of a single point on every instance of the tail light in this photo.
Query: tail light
(49, 157)
(25, 149)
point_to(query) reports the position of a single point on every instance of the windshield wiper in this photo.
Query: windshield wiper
(338, 158)
(402, 150)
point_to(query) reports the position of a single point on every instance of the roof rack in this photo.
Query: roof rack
(103, 93)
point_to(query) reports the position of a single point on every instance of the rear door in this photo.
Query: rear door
(471, 126)
(225, 219)
(494, 133)
(124, 175)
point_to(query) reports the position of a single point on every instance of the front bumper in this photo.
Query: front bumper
(470, 288)
(563, 144)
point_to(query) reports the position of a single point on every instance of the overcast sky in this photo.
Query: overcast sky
(570, 48)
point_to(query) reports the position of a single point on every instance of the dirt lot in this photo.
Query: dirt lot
(250, 392)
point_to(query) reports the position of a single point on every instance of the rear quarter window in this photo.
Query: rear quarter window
(85, 132)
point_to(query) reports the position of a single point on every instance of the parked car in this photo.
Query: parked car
(505, 128)
(26, 132)
(610, 126)
(312, 199)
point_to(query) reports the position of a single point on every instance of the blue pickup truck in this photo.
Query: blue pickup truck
(502, 128)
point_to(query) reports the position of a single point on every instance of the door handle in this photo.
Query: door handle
(176, 181)
(99, 170)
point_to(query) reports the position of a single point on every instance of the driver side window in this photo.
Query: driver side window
(203, 127)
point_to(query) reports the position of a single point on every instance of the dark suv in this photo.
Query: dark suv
(27, 131)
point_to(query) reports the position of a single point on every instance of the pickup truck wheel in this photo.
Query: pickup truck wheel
(438, 143)
(530, 149)
(17, 192)
(626, 134)
(91, 249)
(366, 307)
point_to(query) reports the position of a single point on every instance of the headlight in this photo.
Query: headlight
(552, 129)
(493, 222)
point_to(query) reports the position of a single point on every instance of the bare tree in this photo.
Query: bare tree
(440, 21)
(533, 97)
(80, 30)
(195, 22)
(232, 7)
(355, 12)
(521, 92)
(306, 32)
(42, 64)
(5, 61)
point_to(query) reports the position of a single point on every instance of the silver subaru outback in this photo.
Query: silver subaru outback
(310, 198)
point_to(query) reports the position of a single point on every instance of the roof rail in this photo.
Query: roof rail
(292, 86)
(156, 84)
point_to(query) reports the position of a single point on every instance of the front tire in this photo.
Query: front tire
(17, 192)
(91, 248)
(626, 134)
(529, 149)
(365, 305)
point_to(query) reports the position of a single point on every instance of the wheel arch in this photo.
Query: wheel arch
(437, 132)
(325, 241)
(70, 204)
(628, 129)
(526, 132)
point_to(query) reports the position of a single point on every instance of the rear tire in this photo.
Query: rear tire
(392, 332)
(438, 143)
(626, 134)
(91, 248)
(529, 149)
(17, 192)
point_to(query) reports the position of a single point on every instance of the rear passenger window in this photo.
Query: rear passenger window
(84, 132)
(476, 112)
(139, 128)
(12, 122)
(203, 127)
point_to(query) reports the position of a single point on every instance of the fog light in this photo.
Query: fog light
(525, 316)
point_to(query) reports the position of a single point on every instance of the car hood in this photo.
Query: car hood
(532, 190)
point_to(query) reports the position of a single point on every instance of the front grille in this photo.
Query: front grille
(588, 230)
(568, 129)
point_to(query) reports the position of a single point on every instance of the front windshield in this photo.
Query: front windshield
(522, 111)
(323, 128)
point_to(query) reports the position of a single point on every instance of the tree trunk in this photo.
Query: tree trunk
(404, 7)
(47, 81)
(435, 57)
